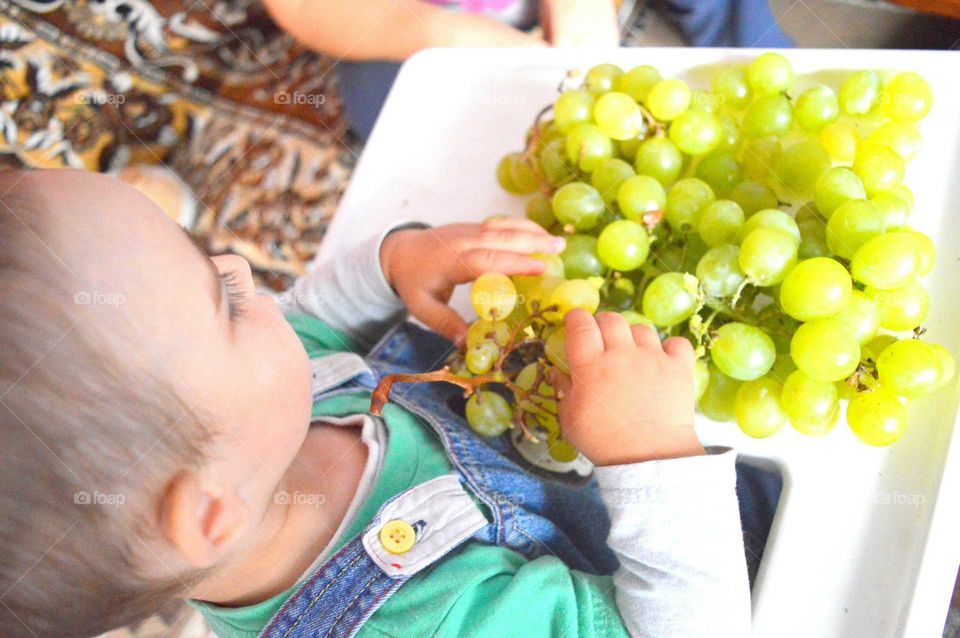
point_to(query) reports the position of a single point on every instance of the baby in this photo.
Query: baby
(167, 431)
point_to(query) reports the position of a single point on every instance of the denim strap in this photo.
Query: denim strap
(337, 599)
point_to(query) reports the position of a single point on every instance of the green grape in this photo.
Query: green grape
(705, 102)
(505, 174)
(571, 294)
(895, 209)
(573, 108)
(602, 78)
(628, 148)
(816, 107)
(718, 399)
(731, 85)
(813, 234)
(907, 97)
(720, 171)
(686, 202)
(493, 296)
(903, 138)
(640, 195)
(822, 427)
(770, 115)
(618, 116)
(538, 296)
(561, 450)
(910, 368)
(902, 308)
(580, 258)
(840, 140)
(769, 74)
(926, 250)
(555, 349)
(638, 81)
(552, 158)
(695, 132)
(801, 165)
(668, 99)
(782, 368)
(760, 156)
(742, 352)
(634, 318)
(483, 330)
(861, 315)
(719, 271)
(524, 177)
(826, 350)
(553, 267)
(539, 405)
(578, 204)
(540, 211)
(481, 357)
(730, 137)
(836, 186)
(621, 295)
(721, 223)
(772, 218)
(660, 159)
(947, 364)
(757, 408)
(766, 255)
(609, 176)
(886, 261)
(877, 418)
(701, 377)
(871, 351)
(753, 196)
(859, 93)
(879, 168)
(815, 289)
(623, 245)
(587, 146)
(904, 193)
(851, 225)
(670, 299)
(488, 413)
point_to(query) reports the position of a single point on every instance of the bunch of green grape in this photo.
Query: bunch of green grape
(767, 224)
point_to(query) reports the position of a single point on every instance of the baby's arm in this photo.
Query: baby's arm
(580, 23)
(387, 29)
(675, 525)
(369, 288)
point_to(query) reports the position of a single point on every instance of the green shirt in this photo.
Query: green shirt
(475, 590)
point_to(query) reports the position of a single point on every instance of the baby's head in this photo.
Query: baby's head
(150, 404)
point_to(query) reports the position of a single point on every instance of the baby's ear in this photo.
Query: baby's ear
(201, 518)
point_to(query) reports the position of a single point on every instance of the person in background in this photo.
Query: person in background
(372, 37)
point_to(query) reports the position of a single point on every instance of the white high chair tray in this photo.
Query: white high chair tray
(866, 541)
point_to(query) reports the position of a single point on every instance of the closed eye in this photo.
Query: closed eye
(236, 296)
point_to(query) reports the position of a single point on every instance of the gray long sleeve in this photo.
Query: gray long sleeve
(675, 527)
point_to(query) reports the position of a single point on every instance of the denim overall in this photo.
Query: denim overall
(529, 510)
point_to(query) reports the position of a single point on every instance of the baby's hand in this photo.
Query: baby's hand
(580, 23)
(628, 398)
(423, 266)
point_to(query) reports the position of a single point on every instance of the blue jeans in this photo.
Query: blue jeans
(704, 23)
(530, 511)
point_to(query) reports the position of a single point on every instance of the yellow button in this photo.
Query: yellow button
(397, 537)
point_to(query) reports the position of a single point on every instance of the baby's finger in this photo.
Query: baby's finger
(439, 317)
(679, 347)
(560, 382)
(481, 260)
(518, 241)
(514, 223)
(584, 341)
(644, 335)
(615, 331)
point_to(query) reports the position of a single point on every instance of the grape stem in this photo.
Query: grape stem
(381, 395)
